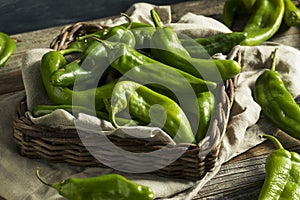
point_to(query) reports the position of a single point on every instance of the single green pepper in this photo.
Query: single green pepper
(141, 68)
(142, 103)
(105, 187)
(208, 46)
(291, 14)
(282, 174)
(7, 48)
(264, 22)
(276, 102)
(54, 60)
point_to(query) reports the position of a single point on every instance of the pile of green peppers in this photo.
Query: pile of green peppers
(138, 66)
(264, 17)
(7, 48)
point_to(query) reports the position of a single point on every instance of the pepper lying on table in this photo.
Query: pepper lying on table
(282, 174)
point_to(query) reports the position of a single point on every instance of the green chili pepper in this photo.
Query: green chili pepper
(276, 102)
(232, 8)
(142, 68)
(291, 14)
(141, 99)
(54, 60)
(208, 46)
(105, 187)
(70, 73)
(282, 174)
(206, 103)
(167, 49)
(264, 22)
(7, 48)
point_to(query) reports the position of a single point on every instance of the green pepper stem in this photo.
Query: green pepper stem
(128, 19)
(273, 139)
(37, 172)
(274, 59)
(67, 51)
(156, 19)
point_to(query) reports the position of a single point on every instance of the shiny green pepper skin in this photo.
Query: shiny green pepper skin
(276, 102)
(282, 174)
(7, 48)
(142, 68)
(54, 60)
(264, 22)
(167, 48)
(140, 99)
(291, 14)
(105, 187)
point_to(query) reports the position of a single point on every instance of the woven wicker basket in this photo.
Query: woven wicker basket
(65, 145)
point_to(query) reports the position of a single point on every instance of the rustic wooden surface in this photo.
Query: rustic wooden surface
(241, 177)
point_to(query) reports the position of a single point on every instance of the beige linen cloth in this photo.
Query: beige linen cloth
(17, 174)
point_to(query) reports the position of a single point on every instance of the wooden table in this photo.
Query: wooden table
(241, 177)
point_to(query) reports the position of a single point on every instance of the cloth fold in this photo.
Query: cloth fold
(244, 125)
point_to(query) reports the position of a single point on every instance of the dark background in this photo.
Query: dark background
(18, 16)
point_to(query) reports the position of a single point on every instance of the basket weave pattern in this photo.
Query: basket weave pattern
(65, 145)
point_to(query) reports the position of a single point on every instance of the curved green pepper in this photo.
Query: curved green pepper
(105, 187)
(54, 60)
(282, 174)
(264, 22)
(140, 99)
(142, 68)
(7, 48)
(206, 103)
(276, 102)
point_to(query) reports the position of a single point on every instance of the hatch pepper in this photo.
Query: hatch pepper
(276, 102)
(264, 22)
(282, 174)
(142, 103)
(167, 48)
(7, 48)
(109, 186)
